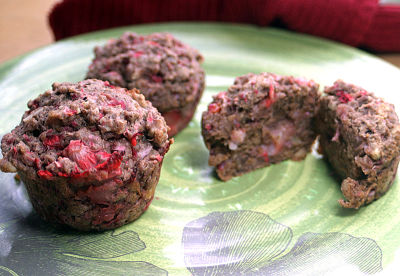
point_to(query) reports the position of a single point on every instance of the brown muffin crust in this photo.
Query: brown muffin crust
(89, 154)
(165, 70)
(262, 119)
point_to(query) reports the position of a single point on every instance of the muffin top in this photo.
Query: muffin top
(89, 130)
(257, 97)
(166, 71)
(364, 118)
(251, 90)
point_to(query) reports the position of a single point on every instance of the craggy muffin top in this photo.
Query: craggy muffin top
(255, 97)
(87, 129)
(165, 70)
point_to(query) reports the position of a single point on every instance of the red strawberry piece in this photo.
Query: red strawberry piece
(45, 174)
(82, 155)
(208, 126)
(271, 93)
(344, 97)
(159, 158)
(112, 165)
(138, 54)
(115, 102)
(268, 102)
(69, 112)
(153, 43)
(214, 108)
(243, 97)
(52, 141)
(26, 138)
(102, 156)
(265, 156)
(271, 96)
(133, 139)
(107, 83)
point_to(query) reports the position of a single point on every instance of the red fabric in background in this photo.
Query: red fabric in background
(360, 23)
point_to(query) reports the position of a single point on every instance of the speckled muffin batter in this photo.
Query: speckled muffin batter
(89, 154)
(262, 119)
(166, 71)
(360, 137)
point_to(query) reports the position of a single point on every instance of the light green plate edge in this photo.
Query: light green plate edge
(302, 195)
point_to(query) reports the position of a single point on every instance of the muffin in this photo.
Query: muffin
(89, 154)
(360, 137)
(262, 119)
(166, 71)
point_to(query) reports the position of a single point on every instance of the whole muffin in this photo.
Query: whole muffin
(89, 154)
(262, 119)
(166, 71)
(360, 137)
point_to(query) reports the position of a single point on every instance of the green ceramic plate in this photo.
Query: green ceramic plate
(280, 220)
